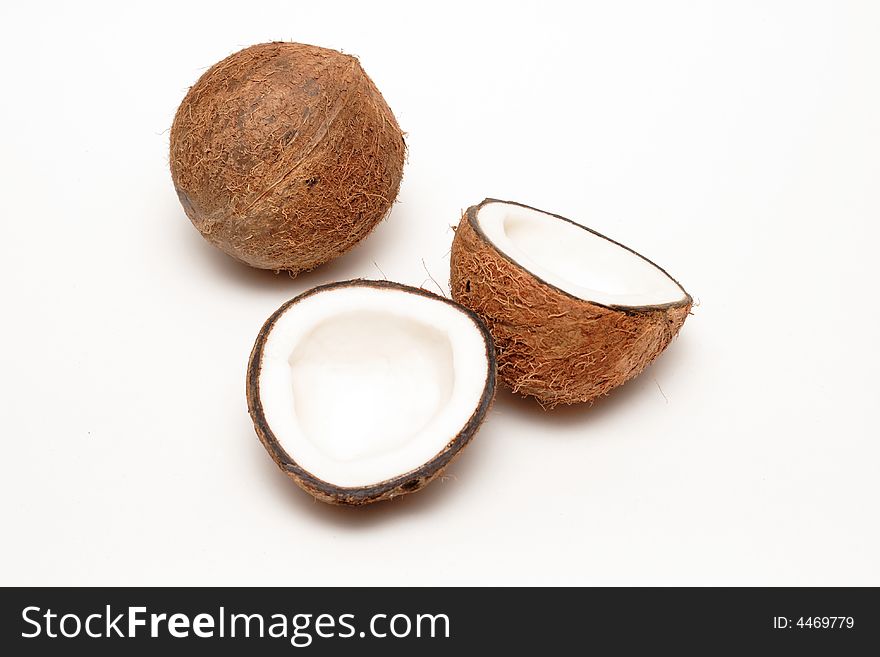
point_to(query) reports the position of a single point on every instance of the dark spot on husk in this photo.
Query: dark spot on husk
(289, 136)
(311, 87)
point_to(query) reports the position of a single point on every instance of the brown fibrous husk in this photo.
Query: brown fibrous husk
(286, 155)
(550, 345)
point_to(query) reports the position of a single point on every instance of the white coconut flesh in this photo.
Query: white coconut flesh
(577, 261)
(362, 384)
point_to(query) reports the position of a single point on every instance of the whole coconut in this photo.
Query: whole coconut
(286, 155)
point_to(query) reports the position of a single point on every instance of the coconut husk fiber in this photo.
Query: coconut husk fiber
(551, 345)
(286, 155)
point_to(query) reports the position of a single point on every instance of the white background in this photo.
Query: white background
(737, 144)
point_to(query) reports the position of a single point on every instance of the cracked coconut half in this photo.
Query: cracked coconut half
(573, 313)
(365, 390)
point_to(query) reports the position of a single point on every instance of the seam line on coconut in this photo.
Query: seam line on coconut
(316, 139)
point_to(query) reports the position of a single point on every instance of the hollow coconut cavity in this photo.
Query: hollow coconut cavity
(573, 313)
(285, 155)
(365, 390)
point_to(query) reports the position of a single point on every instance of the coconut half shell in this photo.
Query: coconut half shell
(366, 390)
(607, 313)
(285, 155)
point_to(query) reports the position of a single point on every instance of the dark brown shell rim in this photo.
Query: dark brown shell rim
(363, 494)
(472, 219)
